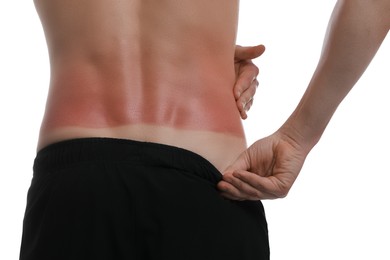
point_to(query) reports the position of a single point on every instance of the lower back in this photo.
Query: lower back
(146, 78)
(189, 108)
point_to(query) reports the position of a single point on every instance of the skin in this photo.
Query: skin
(164, 71)
(269, 167)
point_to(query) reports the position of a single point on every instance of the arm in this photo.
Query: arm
(355, 33)
(268, 168)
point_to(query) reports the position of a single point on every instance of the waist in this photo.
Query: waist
(217, 148)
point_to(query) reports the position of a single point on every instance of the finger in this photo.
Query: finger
(246, 78)
(248, 53)
(248, 105)
(242, 162)
(245, 101)
(242, 103)
(243, 190)
(269, 187)
(228, 196)
(247, 96)
(244, 107)
(244, 112)
(229, 191)
(243, 115)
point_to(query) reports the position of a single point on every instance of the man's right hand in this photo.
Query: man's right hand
(266, 170)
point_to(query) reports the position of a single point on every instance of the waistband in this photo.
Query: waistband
(66, 153)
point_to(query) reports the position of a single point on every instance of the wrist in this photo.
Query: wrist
(301, 132)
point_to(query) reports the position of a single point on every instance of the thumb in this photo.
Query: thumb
(241, 163)
(248, 53)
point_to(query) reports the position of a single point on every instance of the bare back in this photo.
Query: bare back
(148, 70)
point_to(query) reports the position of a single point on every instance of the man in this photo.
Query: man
(268, 169)
(141, 118)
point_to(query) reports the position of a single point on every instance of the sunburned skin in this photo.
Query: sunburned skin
(81, 103)
(159, 71)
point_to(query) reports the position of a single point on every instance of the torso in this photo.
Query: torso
(148, 70)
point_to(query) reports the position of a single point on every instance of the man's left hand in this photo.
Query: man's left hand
(246, 76)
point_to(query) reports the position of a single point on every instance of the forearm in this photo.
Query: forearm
(355, 32)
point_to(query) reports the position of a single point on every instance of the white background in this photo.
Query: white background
(339, 207)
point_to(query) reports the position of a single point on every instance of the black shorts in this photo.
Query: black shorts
(102, 198)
